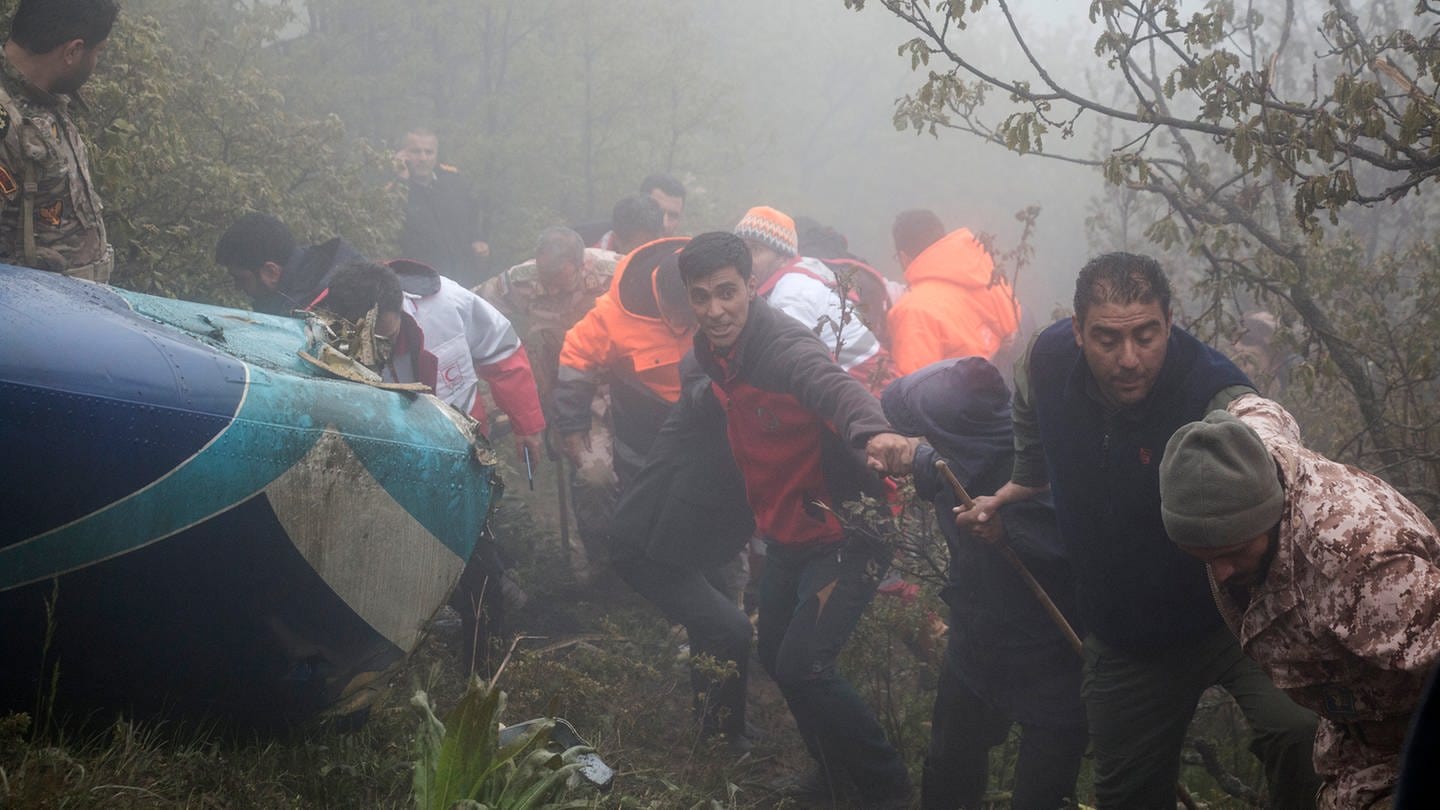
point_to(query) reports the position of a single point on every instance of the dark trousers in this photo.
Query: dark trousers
(705, 602)
(965, 727)
(479, 601)
(593, 505)
(1139, 708)
(810, 601)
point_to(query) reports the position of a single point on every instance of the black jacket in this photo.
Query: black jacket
(442, 220)
(687, 505)
(1003, 644)
(307, 274)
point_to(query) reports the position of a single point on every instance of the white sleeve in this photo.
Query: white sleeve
(808, 301)
(490, 334)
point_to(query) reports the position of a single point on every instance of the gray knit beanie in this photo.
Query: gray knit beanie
(1218, 484)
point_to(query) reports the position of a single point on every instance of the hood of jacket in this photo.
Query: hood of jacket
(307, 274)
(633, 287)
(416, 278)
(961, 406)
(958, 258)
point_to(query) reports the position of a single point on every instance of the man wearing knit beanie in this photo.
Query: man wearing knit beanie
(1220, 497)
(807, 290)
(1328, 576)
(770, 235)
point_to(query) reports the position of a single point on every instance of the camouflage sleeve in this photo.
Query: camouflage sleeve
(1386, 609)
(493, 290)
(10, 175)
(500, 290)
(1266, 417)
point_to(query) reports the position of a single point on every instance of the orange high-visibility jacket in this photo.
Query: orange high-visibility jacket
(623, 339)
(952, 309)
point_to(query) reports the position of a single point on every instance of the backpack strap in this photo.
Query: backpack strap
(796, 267)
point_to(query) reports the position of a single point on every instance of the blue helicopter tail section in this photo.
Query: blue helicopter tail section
(171, 454)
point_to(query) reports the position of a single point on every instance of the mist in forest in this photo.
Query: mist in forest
(820, 109)
(558, 109)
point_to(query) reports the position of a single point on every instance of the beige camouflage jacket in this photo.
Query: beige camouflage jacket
(541, 317)
(1347, 619)
(39, 142)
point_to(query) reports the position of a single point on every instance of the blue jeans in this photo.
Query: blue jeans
(811, 599)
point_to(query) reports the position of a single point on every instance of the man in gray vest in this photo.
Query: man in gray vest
(51, 217)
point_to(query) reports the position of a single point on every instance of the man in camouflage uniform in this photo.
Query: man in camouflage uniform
(1330, 578)
(51, 217)
(543, 298)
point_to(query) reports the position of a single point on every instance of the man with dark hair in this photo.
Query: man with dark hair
(666, 191)
(913, 231)
(814, 238)
(442, 212)
(361, 286)
(544, 298)
(669, 194)
(1329, 577)
(634, 221)
(830, 247)
(260, 253)
(806, 437)
(51, 217)
(1097, 397)
(956, 305)
(677, 536)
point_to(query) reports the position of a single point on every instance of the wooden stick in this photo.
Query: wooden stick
(1005, 551)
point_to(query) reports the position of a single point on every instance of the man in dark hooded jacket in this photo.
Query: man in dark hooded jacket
(678, 531)
(1005, 661)
(266, 264)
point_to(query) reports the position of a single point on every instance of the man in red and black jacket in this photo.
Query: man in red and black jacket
(804, 434)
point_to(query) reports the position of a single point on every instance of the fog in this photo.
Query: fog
(784, 104)
(817, 137)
